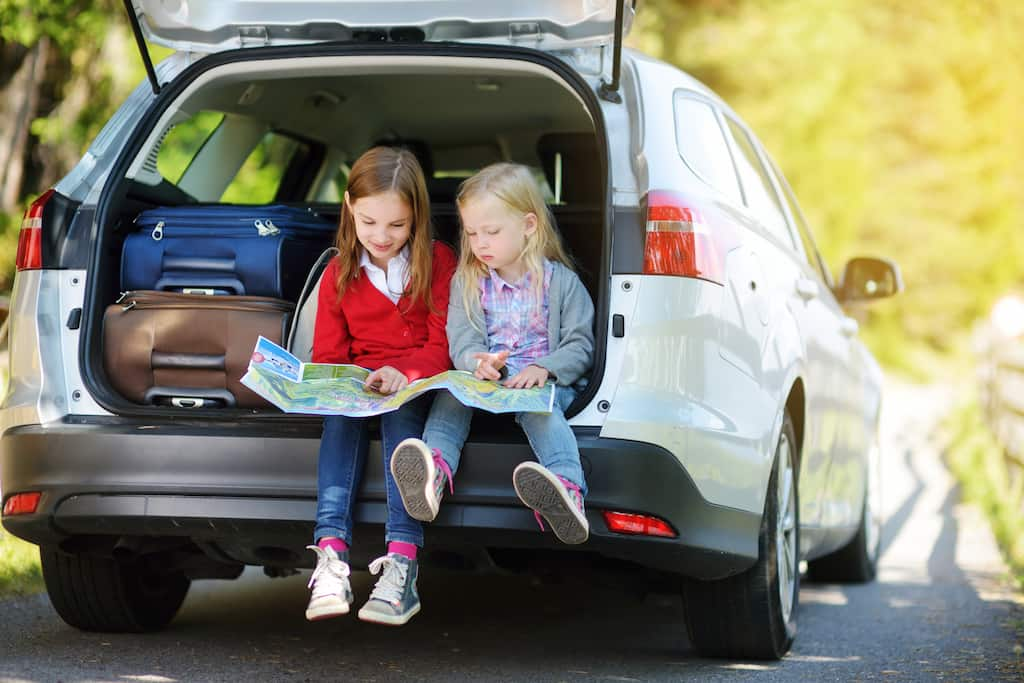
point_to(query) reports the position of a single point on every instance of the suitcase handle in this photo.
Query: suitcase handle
(199, 283)
(206, 264)
(178, 396)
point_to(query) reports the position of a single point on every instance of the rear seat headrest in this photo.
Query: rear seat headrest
(581, 165)
(419, 149)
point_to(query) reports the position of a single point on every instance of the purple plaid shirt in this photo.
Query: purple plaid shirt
(514, 321)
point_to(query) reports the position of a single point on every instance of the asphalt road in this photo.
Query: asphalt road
(941, 610)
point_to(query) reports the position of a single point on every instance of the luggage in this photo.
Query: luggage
(188, 350)
(224, 249)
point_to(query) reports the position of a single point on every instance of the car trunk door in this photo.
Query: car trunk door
(193, 26)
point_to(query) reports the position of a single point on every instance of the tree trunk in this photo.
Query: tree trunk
(19, 102)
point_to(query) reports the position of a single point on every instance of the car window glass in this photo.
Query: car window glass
(259, 177)
(183, 142)
(803, 230)
(757, 186)
(703, 146)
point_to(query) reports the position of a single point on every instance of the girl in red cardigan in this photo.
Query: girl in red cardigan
(383, 305)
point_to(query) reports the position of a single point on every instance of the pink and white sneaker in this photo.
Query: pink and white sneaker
(556, 499)
(420, 475)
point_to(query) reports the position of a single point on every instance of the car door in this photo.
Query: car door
(798, 288)
(844, 486)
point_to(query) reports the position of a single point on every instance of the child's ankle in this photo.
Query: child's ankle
(404, 549)
(338, 545)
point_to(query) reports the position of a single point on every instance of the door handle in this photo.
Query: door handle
(848, 327)
(807, 289)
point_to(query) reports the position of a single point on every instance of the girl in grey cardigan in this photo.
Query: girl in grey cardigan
(520, 315)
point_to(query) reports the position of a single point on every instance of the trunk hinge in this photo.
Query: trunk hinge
(253, 36)
(147, 61)
(524, 31)
(610, 91)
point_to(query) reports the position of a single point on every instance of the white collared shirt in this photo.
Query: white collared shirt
(392, 283)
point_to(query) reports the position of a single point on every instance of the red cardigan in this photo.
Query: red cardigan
(366, 329)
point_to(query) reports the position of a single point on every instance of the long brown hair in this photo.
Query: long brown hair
(513, 185)
(380, 170)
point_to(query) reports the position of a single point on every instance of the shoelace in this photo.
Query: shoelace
(575, 494)
(330, 576)
(442, 467)
(391, 584)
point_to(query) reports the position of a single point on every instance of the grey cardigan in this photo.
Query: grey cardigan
(570, 328)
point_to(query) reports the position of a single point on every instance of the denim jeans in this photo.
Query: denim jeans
(343, 449)
(549, 434)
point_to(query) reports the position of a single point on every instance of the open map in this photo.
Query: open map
(325, 389)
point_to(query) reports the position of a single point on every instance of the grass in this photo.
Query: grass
(19, 567)
(976, 458)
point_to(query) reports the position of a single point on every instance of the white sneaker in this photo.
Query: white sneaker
(332, 592)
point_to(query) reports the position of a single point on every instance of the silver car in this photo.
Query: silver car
(729, 427)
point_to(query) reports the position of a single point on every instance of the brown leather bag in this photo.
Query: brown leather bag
(188, 350)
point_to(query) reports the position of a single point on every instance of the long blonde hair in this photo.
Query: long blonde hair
(380, 170)
(513, 185)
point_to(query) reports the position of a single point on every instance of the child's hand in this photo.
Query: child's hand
(530, 376)
(386, 380)
(489, 365)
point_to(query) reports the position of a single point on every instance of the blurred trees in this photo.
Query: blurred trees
(59, 65)
(894, 122)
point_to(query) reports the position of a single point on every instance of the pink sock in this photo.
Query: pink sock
(337, 544)
(407, 549)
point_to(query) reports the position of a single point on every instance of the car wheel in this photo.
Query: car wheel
(96, 593)
(857, 561)
(753, 615)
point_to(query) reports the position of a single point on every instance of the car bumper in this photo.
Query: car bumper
(253, 499)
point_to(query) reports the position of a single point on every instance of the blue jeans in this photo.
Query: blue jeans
(549, 434)
(343, 449)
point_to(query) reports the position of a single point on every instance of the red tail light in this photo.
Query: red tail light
(30, 239)
(642, 525)
(22, 503)
(681, 241)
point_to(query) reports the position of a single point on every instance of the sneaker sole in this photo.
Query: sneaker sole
(414, 475)
(326, 612)
(388, 619)
(539, 490)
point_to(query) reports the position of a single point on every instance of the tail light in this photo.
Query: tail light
(638, 525)
(30, 239)
(680, 239)
(22, 503)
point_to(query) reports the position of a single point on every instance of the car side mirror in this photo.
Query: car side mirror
(865, 279)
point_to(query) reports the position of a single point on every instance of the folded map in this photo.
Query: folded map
(327, 389)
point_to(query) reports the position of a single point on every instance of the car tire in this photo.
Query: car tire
(97, 593)
(753, 615)
(857, 561)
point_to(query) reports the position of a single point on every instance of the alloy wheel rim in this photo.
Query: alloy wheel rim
(872, 520)
(785, 529)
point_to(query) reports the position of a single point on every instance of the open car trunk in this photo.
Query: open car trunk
(282, 126)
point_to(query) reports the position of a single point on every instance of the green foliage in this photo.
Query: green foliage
(894, 123)
(20, 573)
(69, 23)
(260, 175)
(183, 142)
(976, 458)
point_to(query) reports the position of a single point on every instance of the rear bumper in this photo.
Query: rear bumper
(254, 498)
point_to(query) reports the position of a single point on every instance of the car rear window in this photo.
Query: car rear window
(757, 186)
(255, 176)
(703, 146)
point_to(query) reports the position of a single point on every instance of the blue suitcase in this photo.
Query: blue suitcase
(224, 249)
